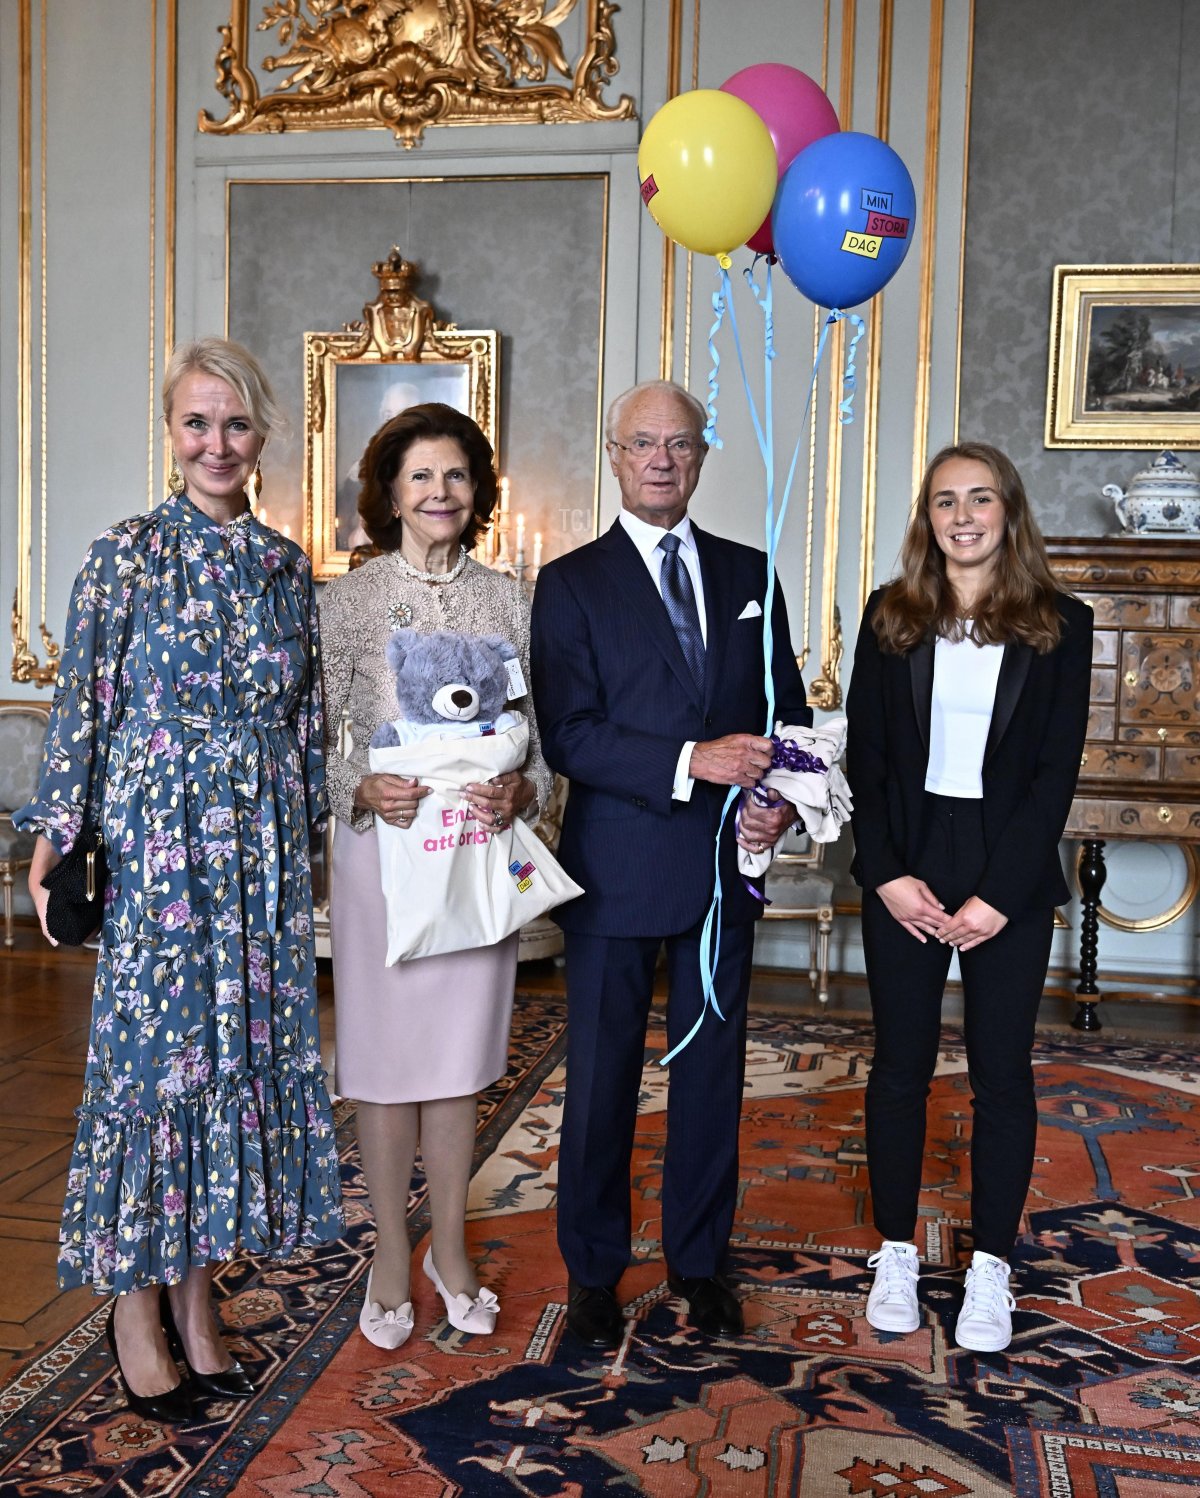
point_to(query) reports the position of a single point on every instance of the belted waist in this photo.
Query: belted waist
(206, 722)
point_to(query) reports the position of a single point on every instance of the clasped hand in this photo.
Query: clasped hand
(743, 759)
(911, 902)
(761, 826)
(737, 759)
(395, 798)
(497, 801)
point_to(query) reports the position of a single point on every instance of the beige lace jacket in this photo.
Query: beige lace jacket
(358, 613)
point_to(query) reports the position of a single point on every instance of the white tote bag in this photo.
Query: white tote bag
(451, 883)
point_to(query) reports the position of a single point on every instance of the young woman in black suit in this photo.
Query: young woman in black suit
(967, 710)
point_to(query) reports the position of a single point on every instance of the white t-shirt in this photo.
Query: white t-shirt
(964, 690)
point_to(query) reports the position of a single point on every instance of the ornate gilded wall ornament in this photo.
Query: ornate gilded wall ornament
(825, 691)
(406, 64)
(25, 665)
(398, 355)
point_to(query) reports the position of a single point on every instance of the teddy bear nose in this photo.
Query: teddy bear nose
(461, 698)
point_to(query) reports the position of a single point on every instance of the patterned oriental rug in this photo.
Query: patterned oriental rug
(1099, 1393)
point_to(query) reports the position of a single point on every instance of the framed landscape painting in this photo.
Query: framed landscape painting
(1124, 357)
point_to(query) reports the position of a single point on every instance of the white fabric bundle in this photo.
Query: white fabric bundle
(450, 883)
(821, 798)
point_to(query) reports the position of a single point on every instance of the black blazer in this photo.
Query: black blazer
(615, 704)
(1030, 764)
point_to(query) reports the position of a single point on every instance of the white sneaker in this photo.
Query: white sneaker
(892, 1303)
(985, 1321)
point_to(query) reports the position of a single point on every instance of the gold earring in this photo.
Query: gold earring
(256, 483)
(175, 480)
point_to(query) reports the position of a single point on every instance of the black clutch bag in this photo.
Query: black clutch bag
(76, 885)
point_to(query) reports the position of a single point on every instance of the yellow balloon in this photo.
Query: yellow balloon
(708, 170)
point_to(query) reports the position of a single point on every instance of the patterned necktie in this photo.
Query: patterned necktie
(680, 598)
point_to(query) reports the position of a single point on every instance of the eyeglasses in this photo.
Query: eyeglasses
(643, 448)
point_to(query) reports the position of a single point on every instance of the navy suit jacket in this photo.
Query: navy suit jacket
(615, 704)
(1030, 762)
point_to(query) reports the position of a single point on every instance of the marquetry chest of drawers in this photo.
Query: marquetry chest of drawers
(1140, 773)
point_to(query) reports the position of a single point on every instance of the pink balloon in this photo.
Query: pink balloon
(796, 111)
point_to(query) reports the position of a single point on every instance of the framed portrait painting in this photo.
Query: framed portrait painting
(356, 380)
(1124, 357)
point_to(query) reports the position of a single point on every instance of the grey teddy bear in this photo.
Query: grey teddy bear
(446, 678)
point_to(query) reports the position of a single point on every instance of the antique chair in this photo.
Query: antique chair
(802, 885)
(22, 734)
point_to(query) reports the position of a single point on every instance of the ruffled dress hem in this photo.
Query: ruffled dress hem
(247, 1162)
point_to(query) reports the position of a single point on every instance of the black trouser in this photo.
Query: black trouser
(610, 981)
(1002, 984)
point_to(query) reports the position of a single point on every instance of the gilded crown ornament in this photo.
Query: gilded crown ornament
(395, 275)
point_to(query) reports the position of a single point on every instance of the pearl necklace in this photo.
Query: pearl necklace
(439, 578)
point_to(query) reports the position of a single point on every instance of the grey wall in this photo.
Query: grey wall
(523, 256)
(1084, 149)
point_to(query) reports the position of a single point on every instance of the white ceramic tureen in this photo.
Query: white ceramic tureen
(1164, 497)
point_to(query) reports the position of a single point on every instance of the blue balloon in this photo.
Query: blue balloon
(843, 218)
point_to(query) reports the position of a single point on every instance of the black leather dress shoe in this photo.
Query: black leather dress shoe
(231, 1383)
(713, 1308)
(594, 1315)
(173, 1407)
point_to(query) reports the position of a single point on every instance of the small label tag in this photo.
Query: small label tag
(866, 245)
(516, 679)
(649, 188)
(870, 198)
(523, 874)
(887, 225)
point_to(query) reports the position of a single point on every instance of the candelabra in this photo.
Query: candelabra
(506, 525)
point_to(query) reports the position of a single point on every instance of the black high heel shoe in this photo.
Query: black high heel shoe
(231, 1383)
(174, 1407)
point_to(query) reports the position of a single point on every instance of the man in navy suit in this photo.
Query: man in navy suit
(647, 664)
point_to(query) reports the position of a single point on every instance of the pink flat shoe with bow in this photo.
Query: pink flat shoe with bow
(383, 1328)
(476, 1316)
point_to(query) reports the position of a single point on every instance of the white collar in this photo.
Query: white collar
(646, 536)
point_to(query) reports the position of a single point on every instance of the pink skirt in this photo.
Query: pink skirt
(435, 1027)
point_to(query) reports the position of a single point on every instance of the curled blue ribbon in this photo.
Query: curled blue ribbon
(720, 301)
(850, 377)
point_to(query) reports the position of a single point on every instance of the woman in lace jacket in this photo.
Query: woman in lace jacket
(416, 1041)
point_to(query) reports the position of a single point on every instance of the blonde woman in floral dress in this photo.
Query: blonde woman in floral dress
(189, 699)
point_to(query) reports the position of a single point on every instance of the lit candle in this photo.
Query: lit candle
(503, 495)
(537, 550)
(262, 515)
(520, 538)
(287, 531)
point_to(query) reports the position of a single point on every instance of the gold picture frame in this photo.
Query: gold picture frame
(397, 356)
(1124, 357)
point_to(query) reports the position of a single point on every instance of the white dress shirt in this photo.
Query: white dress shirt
(964, 690)
(646, 538)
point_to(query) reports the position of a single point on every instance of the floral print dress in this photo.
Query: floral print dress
(190, 684)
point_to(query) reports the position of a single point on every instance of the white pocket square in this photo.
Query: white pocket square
(753, 610)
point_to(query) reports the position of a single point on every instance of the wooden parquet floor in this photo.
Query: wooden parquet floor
(45, 1000)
